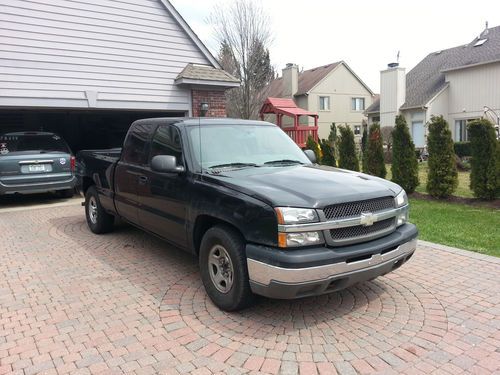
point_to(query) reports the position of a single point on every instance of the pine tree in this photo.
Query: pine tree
(311, 144)
(347, 149)
(328, 157)
(375, 152)
(364, 144)
(404, 161)
(484, 176)
(442, 179)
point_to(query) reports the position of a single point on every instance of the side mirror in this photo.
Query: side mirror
(166, 164)
(310, 155)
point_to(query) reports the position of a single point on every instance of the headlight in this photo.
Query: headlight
(401, 199)
(291, 215)
(295, 239)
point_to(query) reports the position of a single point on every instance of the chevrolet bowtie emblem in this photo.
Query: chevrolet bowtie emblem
(367, 219)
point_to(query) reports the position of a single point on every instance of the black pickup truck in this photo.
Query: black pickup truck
(258, 212)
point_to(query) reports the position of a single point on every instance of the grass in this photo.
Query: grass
(459, 225)
(463, 190)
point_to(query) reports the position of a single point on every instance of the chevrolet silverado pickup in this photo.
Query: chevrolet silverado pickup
(261, 216)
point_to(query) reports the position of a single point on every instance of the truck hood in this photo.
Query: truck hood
(310, 186)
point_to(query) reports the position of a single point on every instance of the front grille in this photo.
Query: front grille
(345, 210)
(360, 231)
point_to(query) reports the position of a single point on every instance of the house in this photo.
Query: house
(460, 83)
(332, 91)
(88, 69)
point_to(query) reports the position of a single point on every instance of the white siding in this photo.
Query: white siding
(54, 51)
(470, 90)
(392, 94)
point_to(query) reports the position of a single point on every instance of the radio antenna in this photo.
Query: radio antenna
(199, 140)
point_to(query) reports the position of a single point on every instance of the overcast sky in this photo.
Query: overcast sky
(366, 34)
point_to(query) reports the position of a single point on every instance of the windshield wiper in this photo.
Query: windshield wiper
(233, 165)
(283, 161)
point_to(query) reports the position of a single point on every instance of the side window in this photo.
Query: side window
(135, 148)
(167, 141)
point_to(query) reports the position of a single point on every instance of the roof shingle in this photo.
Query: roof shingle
(427, 78)
(205, 73)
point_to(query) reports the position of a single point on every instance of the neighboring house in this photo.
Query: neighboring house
(88, 69)
(332, 91)
(457, 83)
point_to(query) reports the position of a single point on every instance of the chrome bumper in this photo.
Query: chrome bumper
(264, 274)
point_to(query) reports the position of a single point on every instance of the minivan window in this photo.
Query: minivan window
(32, 142)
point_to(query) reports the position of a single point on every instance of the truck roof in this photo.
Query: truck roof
(195, 121)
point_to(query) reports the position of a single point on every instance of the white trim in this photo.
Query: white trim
(437, 94)
(184, 25)
(470, 65)
(205, 82)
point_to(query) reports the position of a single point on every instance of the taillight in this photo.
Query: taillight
(72, 163)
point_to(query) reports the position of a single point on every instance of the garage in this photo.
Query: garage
(86, 70)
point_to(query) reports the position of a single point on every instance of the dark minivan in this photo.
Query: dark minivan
(36, 162)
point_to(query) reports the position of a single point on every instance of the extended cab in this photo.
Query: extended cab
(260, 215)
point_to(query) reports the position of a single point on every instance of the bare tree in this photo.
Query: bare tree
(387, 136)
(242, 29)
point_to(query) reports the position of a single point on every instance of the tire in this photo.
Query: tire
(225, 242)
(98, 220)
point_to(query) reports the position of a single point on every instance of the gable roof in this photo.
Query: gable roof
(308, 79)
(426, 79)
(375, 106)
(195, 73)
(184, 25)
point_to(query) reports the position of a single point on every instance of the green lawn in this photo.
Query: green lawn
(463, 189)
(463, 226)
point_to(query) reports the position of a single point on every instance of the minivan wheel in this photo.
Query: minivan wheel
(223, 268)
(98, 220)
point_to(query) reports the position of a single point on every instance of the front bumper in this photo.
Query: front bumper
(299, 273)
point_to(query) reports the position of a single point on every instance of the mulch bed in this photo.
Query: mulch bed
(495, 204)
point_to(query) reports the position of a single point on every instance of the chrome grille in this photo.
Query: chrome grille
(360, 231)
(344, 210)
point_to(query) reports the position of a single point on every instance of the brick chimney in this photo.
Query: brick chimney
(392, 93)
(290, 80)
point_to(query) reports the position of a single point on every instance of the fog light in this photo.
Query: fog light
(303, 239)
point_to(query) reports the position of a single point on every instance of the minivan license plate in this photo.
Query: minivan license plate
(36, 168)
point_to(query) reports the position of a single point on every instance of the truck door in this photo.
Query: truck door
(128, 172)
(164, 195)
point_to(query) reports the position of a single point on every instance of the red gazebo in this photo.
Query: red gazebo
(287, 107)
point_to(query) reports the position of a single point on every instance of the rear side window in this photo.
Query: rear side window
(33, 143)
(135, 149)
(167, 141)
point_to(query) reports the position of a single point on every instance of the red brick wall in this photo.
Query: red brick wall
(215, 99)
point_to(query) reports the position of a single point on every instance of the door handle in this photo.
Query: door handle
(143, 180)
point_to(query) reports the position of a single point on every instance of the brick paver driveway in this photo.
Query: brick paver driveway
(74, 302)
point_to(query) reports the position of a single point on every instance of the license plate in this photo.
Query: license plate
(36, 168)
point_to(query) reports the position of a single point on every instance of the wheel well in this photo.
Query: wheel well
(204, 223)
(86, 183)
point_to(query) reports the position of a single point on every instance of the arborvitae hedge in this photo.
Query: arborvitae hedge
(328, 153)
(364, 144)
(442, 179)
(375, 152)
(347, 150)
(484, 176)
(311, 144)
(404, 163)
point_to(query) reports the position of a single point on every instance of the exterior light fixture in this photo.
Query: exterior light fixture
(203, 109)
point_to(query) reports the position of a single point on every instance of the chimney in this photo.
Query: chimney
(392, 93)
(290, 80)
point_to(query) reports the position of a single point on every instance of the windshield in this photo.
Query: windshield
(243, 146)
(32, 142)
